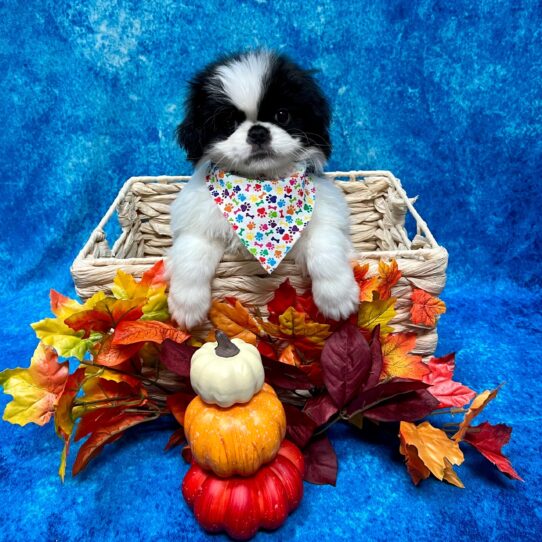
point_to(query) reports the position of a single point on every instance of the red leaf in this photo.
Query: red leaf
(320, 408)
(113, 428)
(177, 404)
(90, 320)
(448, 392)
(386, 390)
(488, 440)
(346, 363)
(186, 452)
(406, 407)
(376, 359)
(154, 275)
(300, 427)
(284, 297)
(147, 330)
(288, 377)
(320, 462)
(176, 439)
(176, 357)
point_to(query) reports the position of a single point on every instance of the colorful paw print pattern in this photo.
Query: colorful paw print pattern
(268, 215)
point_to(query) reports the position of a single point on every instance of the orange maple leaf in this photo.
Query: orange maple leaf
(130, 332)
(478, 404)
(397, 359)
(428, 450)
(425, 308)
(388, 277)
(367, 285)
(234, 320)
(290, 356)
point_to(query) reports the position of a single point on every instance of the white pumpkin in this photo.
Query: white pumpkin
(227, 371)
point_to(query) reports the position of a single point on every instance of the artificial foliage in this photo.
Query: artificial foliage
(133, 366)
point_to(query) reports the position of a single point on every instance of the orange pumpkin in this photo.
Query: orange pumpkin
(237, 439)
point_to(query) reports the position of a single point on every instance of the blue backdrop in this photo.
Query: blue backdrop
(447, 95)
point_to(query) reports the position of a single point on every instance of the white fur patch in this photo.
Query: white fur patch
(243, 81)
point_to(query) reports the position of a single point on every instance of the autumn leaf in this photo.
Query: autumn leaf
(367, 285)
(178, 403)
(176, 357)
(425, 308)
(488, 440)
(176, 439)
(234, 320)
(299, 426)
(109, 427)
(320, 462)
(35, 390)
(397, 360)
(448, 392)
(63, 307)
(290, 356)
(320, 408)
(346, 363)
(106, 315)
(477, 405)
(66, 341)
(152, 286)
(376, 313)
(428, 449)
(64, 418)
(288, 377)
(111, 355)
(388, 277)
(141, 331)
(299, 330)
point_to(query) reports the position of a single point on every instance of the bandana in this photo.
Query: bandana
(268, 215)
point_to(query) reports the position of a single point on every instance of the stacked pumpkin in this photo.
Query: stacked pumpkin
(244, 475)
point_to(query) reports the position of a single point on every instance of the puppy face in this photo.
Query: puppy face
(256, 113)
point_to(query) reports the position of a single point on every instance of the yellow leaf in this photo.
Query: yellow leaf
(296, 325)
(428, 449)
(234, 320)
(66, 341)
(126, 287)
(35, 390)
(397, 360)
(377, 312)
(478, 404)
(156, 307)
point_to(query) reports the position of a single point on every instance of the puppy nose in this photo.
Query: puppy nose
(258, 135)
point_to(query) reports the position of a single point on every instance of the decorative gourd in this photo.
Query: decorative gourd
(240, 506)
(238, 439)
(226, 372)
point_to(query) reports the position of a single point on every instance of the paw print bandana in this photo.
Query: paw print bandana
(268, 215)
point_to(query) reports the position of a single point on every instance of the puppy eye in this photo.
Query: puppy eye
(282, 116)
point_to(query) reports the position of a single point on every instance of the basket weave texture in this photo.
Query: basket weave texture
(378, 209)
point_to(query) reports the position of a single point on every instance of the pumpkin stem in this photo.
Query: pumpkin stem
(225, 348)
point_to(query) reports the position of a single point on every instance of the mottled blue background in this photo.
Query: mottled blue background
(447, 95)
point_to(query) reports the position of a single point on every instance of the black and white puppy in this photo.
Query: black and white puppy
(257, 114)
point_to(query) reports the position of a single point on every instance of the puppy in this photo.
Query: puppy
(256, 115)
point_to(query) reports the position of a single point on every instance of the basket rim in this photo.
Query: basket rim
(85, 254)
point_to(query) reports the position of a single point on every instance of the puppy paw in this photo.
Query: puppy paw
(189, 306)
(336, 298)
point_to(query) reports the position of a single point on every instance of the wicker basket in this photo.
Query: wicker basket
(378, 206)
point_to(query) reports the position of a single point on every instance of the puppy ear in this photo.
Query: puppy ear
(190, 138)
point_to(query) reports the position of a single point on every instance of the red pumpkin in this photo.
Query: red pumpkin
(242, 505)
